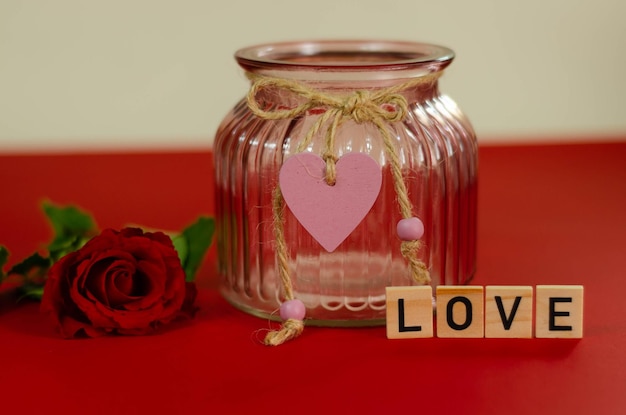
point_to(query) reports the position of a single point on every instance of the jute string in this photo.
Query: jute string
(378, 107)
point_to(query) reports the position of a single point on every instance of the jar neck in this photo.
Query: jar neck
(341, 68)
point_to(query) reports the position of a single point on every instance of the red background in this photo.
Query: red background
(548, 214)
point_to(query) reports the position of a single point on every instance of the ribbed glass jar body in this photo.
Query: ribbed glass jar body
(437, 150)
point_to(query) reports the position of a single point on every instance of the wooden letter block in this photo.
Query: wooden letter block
(409, 312)
(508, 311)
(460, 311)
(559, 311)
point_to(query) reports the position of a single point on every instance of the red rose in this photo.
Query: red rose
(126, 282)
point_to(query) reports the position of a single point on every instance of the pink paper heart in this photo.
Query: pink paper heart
(330, 213)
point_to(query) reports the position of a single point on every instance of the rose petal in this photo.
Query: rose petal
(120, 287)
(93, 271)
(71, 327)
(121, 280)
(129, 233)
(93, 279)
(160, 238)
(151, 278)
(56, 301)
(140, 248)
(137, 319)
(88, 305)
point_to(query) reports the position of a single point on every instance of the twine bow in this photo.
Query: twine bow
(378, 107)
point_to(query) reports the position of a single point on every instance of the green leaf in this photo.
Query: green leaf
(33, 269)
(196, 238)
(4, 257)
(72, 229)
(180, 244)
(32, 291)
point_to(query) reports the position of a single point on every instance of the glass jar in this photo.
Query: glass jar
(437, 154)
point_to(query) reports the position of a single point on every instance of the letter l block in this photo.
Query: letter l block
(409, 312)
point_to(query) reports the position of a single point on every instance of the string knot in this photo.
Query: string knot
(363, 106)
(359, 107)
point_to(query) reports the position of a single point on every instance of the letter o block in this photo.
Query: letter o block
(460, 311)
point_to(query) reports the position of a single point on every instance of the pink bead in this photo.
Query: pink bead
(292, 309)
(410, 229)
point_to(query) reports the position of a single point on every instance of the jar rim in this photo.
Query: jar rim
(345, 56)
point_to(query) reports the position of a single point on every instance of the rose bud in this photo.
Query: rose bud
(126, 282)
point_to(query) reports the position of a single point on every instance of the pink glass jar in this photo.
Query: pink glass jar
(437, 150)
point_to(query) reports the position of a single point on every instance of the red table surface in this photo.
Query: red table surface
(548, 214)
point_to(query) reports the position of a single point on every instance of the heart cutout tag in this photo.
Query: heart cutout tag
(330, 213)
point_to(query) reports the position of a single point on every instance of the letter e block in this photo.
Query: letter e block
(460, 311)
(409, 312)
(559, 311)
(508, 311)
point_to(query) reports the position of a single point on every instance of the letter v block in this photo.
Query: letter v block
(409, 312)
(559, 311)
(460, 311)
(508, 311)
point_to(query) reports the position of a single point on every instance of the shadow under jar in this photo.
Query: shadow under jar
(437, 151)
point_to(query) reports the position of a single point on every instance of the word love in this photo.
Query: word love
(491, 311)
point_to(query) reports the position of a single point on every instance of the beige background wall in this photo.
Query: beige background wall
(80, 75)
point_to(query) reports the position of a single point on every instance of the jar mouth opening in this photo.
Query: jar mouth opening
(345, 56)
